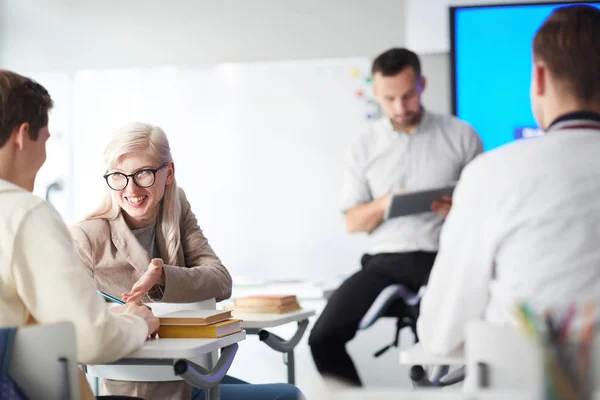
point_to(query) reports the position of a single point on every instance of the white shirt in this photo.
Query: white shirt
(43, 281)
(524, 226)
(384, 160)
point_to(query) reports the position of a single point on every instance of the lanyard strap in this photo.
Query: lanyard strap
(581, 126)
(576, 124)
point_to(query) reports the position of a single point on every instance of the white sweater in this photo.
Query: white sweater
(42, 279)
(524, 226)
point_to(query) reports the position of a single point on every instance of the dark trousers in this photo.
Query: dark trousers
(338, 322)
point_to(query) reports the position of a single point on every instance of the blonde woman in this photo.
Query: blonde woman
(144, 244)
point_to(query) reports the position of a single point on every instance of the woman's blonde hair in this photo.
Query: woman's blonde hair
(153, 141)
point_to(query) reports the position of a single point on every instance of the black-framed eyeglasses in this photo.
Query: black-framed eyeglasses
(144, 178)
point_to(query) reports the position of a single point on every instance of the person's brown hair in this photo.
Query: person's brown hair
(569, 44)
(392, 61)
(22, 100)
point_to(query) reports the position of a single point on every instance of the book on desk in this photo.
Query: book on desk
(198, 324)
(265, 304)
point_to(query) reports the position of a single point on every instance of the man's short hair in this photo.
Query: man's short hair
(569, 44)
(395, 60)
(22, 100)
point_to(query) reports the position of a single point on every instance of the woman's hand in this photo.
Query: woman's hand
(154, 275)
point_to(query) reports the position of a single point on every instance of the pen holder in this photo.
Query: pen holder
(568, 371)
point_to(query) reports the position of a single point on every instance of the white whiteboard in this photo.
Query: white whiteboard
(258, 149)
(56, 171)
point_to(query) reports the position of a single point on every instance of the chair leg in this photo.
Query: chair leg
(413, 327)
(399, 325)
(420, 378)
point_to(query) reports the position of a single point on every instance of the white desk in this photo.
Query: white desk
(416, 355)
(183, 348)
(178, 353)
(255, 324)
(261, 321)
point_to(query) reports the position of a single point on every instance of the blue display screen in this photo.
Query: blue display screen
(492, 67)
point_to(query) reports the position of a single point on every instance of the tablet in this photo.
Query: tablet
(416, 202)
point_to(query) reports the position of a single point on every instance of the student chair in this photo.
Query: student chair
(395, 301)
(43, 362)
(438, 376)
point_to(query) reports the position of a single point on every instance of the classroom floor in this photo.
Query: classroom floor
(257, 363)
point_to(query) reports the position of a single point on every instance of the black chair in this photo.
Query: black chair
(396, 301)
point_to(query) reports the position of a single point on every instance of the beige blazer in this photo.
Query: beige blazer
(116, 260)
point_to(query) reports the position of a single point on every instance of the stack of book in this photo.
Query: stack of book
(267, 304)
(198, 324)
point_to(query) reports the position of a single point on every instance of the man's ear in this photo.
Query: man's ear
(170, 173)
(540, 77)
(21, 135)
(423, 83)
(375, 84)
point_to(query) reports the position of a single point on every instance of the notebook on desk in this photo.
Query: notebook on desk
(194, 317)
(265, 300)
(265, 304)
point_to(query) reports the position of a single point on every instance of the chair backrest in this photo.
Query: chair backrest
(383, 306)
(502, 357)
(44, 362)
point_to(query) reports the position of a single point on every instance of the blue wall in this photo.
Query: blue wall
(493, 68)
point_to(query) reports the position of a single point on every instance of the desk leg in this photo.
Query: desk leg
(96, 381)
(291, 367)
(200, 377)
(286, 347)
(213, 393)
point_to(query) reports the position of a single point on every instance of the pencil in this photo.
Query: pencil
(559, 378)
(525, 324)
(566, 322)
(113, 299)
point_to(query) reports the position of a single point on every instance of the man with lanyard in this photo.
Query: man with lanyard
(525, 220)
(409, 149)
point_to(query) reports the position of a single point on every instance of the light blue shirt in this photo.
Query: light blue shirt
(384, 160)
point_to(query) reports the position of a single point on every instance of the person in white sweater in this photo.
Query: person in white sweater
(525, 218)
(42, 280)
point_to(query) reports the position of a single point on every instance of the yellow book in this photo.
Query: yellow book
(220, 329)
